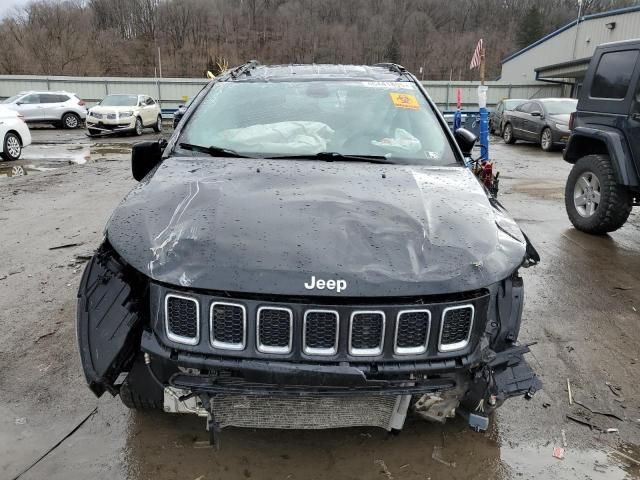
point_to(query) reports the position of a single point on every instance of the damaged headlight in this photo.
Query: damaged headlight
(508, 226)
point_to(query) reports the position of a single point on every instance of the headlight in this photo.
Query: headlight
(562, 127)
(128, 113)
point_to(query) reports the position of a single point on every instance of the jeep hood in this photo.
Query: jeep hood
(263, 226)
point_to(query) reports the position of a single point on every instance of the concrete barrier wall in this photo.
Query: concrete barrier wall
(172, 91)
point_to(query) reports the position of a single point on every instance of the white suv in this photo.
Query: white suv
(124, 113)
(61, 109)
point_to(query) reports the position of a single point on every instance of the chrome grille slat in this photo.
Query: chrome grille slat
(412, 332)
(455, 327)
(228, 325)
(320, 332)
(182, 319)
(366, 332)
(274, 330)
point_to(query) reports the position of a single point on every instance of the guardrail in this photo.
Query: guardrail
(174, 91)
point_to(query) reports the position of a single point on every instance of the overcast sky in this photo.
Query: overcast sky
(7, 5)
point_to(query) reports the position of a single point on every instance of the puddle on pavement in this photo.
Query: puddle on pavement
(42, 158)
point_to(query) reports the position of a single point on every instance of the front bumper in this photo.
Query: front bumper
(108, 126)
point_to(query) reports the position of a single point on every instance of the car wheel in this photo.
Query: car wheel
(158, 126)
(12, 147)
(70, 120)
(546, 139)
(507, 134)
(139, 127)
(139, 391)
(594, 201)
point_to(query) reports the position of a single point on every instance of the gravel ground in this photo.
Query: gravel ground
(582, 309)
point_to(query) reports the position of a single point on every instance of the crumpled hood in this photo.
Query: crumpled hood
(262, 226)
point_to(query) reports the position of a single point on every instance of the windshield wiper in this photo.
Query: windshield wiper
(336, 156)
(212, 150)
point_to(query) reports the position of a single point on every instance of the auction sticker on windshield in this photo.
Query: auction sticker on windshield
(404, 100)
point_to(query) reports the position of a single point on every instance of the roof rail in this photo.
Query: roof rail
(394, 67)
(244, 68)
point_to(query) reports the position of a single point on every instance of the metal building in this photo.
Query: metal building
(563, 56)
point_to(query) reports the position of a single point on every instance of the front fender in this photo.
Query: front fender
(603, 140)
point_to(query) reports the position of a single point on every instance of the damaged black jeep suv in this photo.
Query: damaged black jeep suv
(308, 250)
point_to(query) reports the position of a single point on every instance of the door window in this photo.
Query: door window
(150, 101)
(500, 107)
(525, 107)
(49, 98)
(31, 99)
(535, 108)
(613, 74)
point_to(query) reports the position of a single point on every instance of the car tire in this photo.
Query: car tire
(139, 128)
(158, 126)
(507, 134)
(11, 146)
(595, 202)
(546, 139)
(70, 121)
(139, 391)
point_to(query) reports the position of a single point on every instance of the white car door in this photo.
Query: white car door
(144, 110)
(30, 107)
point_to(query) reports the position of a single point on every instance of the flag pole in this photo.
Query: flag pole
(484, 114)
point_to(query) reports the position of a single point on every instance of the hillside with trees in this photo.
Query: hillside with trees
(123, 37)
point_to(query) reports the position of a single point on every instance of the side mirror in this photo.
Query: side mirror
(145, 156)
(536, 114)
(465, 140)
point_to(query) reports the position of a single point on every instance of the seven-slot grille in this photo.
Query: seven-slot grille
(229, 328)
(366, 333)
(412, 332)
(275, 329)
(183, 319)
(228, 325)
(320, 332)
(455, 328)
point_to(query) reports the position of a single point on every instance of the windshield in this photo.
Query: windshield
(391, 120)
(120, 101)
(560, 107)
(12, 99)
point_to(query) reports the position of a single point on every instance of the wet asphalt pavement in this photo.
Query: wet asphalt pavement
(582, 308)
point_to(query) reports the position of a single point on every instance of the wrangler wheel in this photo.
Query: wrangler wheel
(594, 201)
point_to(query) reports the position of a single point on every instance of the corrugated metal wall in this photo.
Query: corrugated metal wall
(172, 90)
(559, 48)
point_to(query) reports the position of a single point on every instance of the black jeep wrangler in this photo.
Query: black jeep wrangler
(309, 250)
(604, 145)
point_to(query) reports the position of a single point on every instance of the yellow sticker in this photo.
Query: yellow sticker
(404, 100)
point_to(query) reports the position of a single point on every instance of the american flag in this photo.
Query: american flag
(477, 54)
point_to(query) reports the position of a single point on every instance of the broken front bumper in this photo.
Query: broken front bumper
(227, 390)
(114, 329)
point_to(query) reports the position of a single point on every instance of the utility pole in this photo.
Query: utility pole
(575, 40)
(158, 79)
